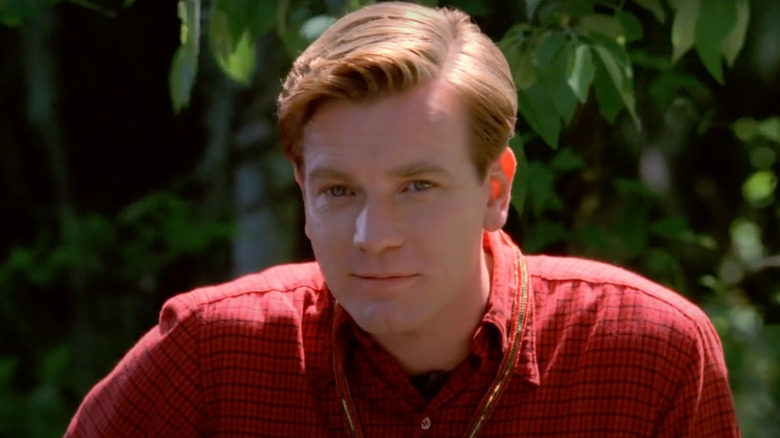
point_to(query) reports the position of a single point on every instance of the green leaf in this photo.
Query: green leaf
(670, 227)
(684, 28)
(552, 64)
(759, 189)
(530, 8)
(616, 66)
(734, 41)
(53, 367)
(128, 3)
(181, 79)
(537, 109)
(747, 129)
(601, 23)
(567, 160)
(262, 17)
(520, 181)
(184, 66)
(236, 13)
(315, 26)
(236, 59)
(521, 63)
(655, 7)
(579, 75)
(631, 228)
(711, 30)
(632, 27)
(518, 55)
(541, 194)
(607, 96)
(632, 187)
(544, 234)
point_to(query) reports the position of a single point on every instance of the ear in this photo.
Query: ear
(499, 180)
(297, 171)
(298, 175)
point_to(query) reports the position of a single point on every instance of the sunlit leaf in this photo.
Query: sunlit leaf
(734, 41)
(184, 66)
(655, 7)
(714, 25)
(581, 72)
(240, 63)
(760, 187)
(684, 28)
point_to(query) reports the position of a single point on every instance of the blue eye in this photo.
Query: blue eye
(419, 185)
(336, 191)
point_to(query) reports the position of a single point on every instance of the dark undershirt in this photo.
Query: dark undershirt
(429, 384)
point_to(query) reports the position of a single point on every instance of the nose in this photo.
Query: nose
(377, 227)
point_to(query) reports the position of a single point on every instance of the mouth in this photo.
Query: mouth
(380, 277)
(384, 281)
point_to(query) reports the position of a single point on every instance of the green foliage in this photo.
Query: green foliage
(184, 67)
(591, 76)
(135, 248)
(17, 12)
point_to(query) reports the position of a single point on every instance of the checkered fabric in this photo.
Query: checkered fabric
(604, 353)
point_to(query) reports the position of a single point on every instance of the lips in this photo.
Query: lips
(384, 281)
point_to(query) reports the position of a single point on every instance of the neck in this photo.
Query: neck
(443, 343)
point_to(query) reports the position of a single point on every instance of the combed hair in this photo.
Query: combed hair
(390, 48)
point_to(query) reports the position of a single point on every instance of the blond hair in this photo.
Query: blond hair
(391, 47)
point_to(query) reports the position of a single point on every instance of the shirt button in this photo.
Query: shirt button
(426, 423)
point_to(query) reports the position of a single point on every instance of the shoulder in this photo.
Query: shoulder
(278, 292)
(616, 300)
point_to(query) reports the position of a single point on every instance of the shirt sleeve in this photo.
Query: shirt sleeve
(702, 406)
(155, 389)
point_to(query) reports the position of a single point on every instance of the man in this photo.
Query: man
(420, 316)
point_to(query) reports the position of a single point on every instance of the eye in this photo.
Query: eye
(419, 186)
(336, 191)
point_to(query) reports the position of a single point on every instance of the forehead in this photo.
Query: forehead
(423, 123)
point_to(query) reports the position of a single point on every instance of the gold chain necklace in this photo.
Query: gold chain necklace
(488, 403)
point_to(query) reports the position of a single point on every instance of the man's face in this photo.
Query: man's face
(394, 209)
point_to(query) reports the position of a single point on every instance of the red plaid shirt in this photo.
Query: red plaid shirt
(603, 353)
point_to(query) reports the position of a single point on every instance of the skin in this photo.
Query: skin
(395, 213)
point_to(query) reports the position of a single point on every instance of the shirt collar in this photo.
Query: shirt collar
(497, 322)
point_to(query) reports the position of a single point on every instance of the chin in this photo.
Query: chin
(386, 323)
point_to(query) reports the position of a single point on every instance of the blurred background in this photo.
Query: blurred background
(139, 158)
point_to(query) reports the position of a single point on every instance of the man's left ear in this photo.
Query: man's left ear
(500, 175)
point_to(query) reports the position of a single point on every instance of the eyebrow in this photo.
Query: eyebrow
(406, 171)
